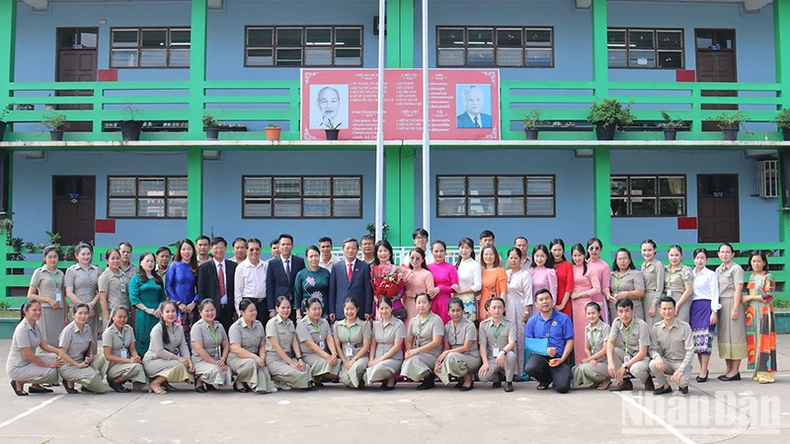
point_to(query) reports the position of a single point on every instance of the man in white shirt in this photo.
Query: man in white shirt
(251, 280)
(239, 250)
(327, 259)
(522, 244)
(420, 237)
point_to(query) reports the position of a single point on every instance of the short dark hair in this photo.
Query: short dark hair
(520, 237)
(124, 243)
(487, 233)
(625, 303)
(274, 242)
(419, 232)
(253, 240)
(350, 239)
(202, 237)
(667, 299)
(367, 237)
(541, 291)
(285, 236)
(494, 299)
(161, 249)
(217, 240)
(239, 239)
(325, 239)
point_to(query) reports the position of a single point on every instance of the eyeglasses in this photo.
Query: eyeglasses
(253, 249)
(420, 238)
(594, 248)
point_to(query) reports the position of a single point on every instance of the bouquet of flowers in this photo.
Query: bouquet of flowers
(388, 280)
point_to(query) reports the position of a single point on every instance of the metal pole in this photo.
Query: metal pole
(380, 128)
(426, 144)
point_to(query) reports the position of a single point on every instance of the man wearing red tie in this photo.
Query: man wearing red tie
(281, 274)
(216, 281)
(350, 278)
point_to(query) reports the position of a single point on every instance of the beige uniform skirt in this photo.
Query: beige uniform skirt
(285, 375)
(320, 366)
(584, 374)
(383, 370)
(172, 370)
(458, 365)
(88, 377)
(731, 334)
(52, 323)
(35, 374)
(648, 299)
(353, 376)
(418, 366)
(212, 374)
(247, 371)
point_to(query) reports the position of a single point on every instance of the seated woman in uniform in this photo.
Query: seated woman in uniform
(247, 356)
(352, 338)
(285, 371)
(461, 357)
(386, 355)
(423, 344)
(76, 350)
(119, 360)
(24, 365)
(497, 346)
(318, 348)
(210, 349)
(167, 359)
(593, 367)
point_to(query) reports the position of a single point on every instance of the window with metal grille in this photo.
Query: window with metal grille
(495, 196)
(648, 195)
(504, 46)
(291, 197)
(271, 46)
(143, 197)
(149, 47)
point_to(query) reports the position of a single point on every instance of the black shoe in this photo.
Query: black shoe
(70, 390)
(311, 388)
(318, 384)
(39, 390)
(737, 377)
(684, 390)
(427, 383)
(240, 390)
(466, 389)
(508, 387)
(460, 384)
(83, 389)
(211, 388)
(700, 379)
(201, 389)
(119, 388)
(387, 388)
(663, 390)
(543, 385)
(17, 391)
(497, 381)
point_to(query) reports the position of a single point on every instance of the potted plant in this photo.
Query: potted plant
(56, 123)
(25, 107)
(68, 252)
(16, 244)
(211, 127)
(3, 123)
(273, 132)
(371, 227)
(730, 123)
(671, 126)
(29, 247)
(131, 127)
(608, 115)
(41, 246)
(531, 122)
(16, 257)
(782, 122)
(332, 130)
(54, 238)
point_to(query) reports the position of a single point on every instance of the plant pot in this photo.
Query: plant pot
(332, 134)
(670, 134)
(605, 132)
(273, 133)
(130, 130)
(212, 133)
(17, 250)
(2, 130)
(56, 135)
(730, 134)
(785, 134)
(28, 250)
(532, 134)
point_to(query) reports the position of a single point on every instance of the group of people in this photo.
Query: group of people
(295, 323)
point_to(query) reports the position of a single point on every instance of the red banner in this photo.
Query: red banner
(463, 104)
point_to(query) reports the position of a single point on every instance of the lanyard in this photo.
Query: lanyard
(593, 335)
(122, 337)
(496, 332)
(213, 334)
(617, 280)
(628, 333)
(55, 277)
(455, 335)
(419, 329)
(350, 332)
(317, 328)
(672, 274)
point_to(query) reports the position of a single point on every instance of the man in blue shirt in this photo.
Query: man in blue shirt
(557, 327)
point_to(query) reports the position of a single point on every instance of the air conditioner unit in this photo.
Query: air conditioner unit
(767, 179)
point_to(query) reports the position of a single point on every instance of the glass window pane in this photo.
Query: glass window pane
(317, 207)
(120, 58)
(671, 207)
(643, 186)
(725, 38)
(122, 208)
(153, 57)
(618, 186)
(510, 186)
(179, 57)
(348, 208)
(481, 206)
(151, 208)
(481, 37)
(177, 208)
(481, 57)
(347, 186)
(540, 186)
(287, 207)
(451, 37)
(617, 58)
(177, 186)
(180, 37)
(289, 57)
(671, 186)
(317, 186)
(451, 57)
(348, 57)
(646, 59)
(259, 37)
(619, 207)
(643, 206)
(615, 38)
(67, 38)
(538, 37)
(289, 37)
(287, 186)
(539, 57)
(540, 206)
(124, 38)
(151, 187)
(318, 57)
(670, 59)
(509, 206)
(452, 186)
(641, 39)
(257, 207)
(122, 186)
(453, 206)
(257, 186)
(704, 39)
(510, 57)
(260, 57)
(670, 39)
(509, 38)
(154, 38)
(348, 36)
(88, 39)
(318, 36)
(481, 186)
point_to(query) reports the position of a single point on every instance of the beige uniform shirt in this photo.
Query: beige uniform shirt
(728, 277)
(597, 336)
(673, 344)
(284, 331)
(630, 338)
(83, 283)
(76, 341)
(129, 271)
(25, 336)
(306, 330)
(653, 274)
(249, 338)
(385, 336)
(456, 337)
(48, 282)
(492, 337)
(117, 288)
(176, 346)
(675, 282)
(352, 336)
(118, 341)
(423, 333)
(211, 343)
(630, 281)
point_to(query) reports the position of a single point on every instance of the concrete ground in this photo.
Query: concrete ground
(715, 411)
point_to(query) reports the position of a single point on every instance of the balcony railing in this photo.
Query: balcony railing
(564, 107)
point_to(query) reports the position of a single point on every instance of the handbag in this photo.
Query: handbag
(536, 346)
(398, 310)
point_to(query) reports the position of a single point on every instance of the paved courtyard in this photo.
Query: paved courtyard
(713, 412)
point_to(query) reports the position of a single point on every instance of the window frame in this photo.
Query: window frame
(494, 29)
(137, 197)
(333, 47)
(658, 196)
(139, 48)
(302, 196)
(495, 196)
(655, 47)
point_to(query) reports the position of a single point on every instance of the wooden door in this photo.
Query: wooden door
(716, 63)
(74, 208)
(718, 216)
(77, 62)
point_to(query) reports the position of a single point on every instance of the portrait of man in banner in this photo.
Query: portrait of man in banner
(473, 103)
(329, 106)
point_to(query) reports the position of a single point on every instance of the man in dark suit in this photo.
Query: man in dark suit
(216, 282)
(350, 278)
(281, 274)
(474, 116)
